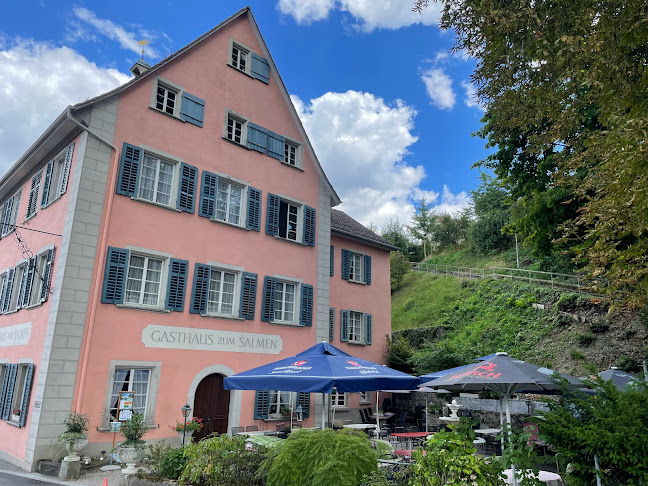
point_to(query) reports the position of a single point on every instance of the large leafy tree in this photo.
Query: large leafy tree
(492, 214)
(565, 83)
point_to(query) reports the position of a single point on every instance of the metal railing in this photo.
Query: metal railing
(552, 279)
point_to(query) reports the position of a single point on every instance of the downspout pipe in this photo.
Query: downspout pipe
(83, 360)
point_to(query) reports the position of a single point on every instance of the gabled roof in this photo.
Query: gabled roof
(335, 199)
(344, 225)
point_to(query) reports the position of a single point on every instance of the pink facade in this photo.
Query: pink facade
(188, 252)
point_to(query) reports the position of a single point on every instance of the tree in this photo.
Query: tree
(492, 215)
(395, 234)
(448, 230)
(564, 83)
(422, 223)
(398, 267)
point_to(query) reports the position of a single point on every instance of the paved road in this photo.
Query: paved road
(7, 479)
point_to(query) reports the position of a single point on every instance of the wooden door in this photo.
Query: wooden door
(211, 404)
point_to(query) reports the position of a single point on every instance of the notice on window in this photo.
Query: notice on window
(125, 405)
(16, 335)
(125, 415)
(171, 337)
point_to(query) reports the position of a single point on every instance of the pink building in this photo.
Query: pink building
(185, 232)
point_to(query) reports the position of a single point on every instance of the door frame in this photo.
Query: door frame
(234, 415)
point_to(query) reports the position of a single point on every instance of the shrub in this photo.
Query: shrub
(399, 354)
(154, 455)
(398, 267)
(562, 320)
(133, 430)
(76, 426)
(397, 476)
(584, 340)
(627, 363)
(173, 463)
(600, 326)
(222, 461)
(577, 355)
(436, 357)
(321, 458)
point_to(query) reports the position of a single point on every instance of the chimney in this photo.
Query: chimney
(140, 67)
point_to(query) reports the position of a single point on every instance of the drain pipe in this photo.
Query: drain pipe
(83, 360)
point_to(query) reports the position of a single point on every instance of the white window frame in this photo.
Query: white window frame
(356, 274)
(54, 188)
(21, 267)
(151, 400)
(35, 202)
(244, 126)
(178, 90)
(244, 200)
(300, 219)
(37, 282)
(169, 159)
(242, 48)
(289, 142)
(164, 277)
(363, 318)
(238, 272)
(10, 226)
(278, 404)
(339, 401)
(18, 391)
(365, 397)
(283, 279)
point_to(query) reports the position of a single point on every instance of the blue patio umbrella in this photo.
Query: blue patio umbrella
(439, 374)
(319, 369)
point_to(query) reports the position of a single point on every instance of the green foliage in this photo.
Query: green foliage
(222, 461)
(320, 458)
(395, 234)
(600, 325)
(133, 430)
(447, 230)
(436, 356)
(399, 266)
(173, 463)
(578, 356)
(450, 459)
(76, 422)
(520, 452)
(627, 364)
(399, 354)
(584, 340)
(154, 454)
(421, 220)
(610, 424)
(492, 215)
(388, 477)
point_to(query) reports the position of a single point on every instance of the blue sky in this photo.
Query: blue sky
(386, 106)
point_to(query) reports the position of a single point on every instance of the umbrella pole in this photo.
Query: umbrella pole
(508, 422)
(324, 411)
(501, 407)
(291, 411)
(377, 415)
(426, 413)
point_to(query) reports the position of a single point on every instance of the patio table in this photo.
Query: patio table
(360, 426)
(405, 452)
(549, 478)
(382, 416)
(252, 432)
(487, 431)
(410, 436)
(264, 440)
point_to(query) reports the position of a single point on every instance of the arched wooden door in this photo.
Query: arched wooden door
(211, 404)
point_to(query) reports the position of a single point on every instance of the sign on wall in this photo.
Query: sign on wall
(171, 337)
(16, 335)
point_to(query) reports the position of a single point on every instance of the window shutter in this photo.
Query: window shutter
(3, 294)
(29, 282)
(269, 289)
(177, 284)
(193, 109)
(309, 226)
(5, 388)
(331, 324)
(5, 217)
(303, 399)
(200, 289)
(46, 184)
(129, 169)
(13, 214)
(276, 146)
(21, 286)
(4, 304)
(368, 328)
(344, 326)
(272, 224)
(254, 209)
(208, 186)
(114, 276)
(346, 264)
(367, 269)
(187, 188)
(47, 274)
(306, 305)
(248, 295)
(261, 405)
(257, 138)
(260, 68)
(65, 170)
(8, 396)
(32, 203)
(332, 260)
(25, 398)
(2, 212)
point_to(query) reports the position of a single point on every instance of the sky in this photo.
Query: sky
(387, 106)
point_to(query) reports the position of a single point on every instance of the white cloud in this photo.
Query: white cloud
(113, 31)
(37, 82)
(451, 203)
(471, 99)
(439, 88)
(368, 15)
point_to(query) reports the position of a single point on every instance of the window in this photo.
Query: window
(355, 327)
(223, 291)
(231, 201)
(173, 100)
(136, 380)
(39, 275)
(239, 58)
(365, 397)
(27, 283)
(279, 400)
(16, 386)
(19, 391)
(284, 306)
(243, 59)
(292, 153)
(57, 173)
(228, 202)
(161, 179)
(143, 280)
(339, 400)
(165, 99)
(331, 324)
(34, 189)
(16, 287)
(271, 402)
(220, 299)
(356, 267)
(9, 214)
(290, 220)
(235, 128)
(287, 301)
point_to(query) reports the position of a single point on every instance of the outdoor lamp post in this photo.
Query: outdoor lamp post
(186, 409)
(300, 413)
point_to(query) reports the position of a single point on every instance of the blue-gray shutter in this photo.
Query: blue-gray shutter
(269, 295)
(32, 203)
(257, 138)
(303, 399)
(260, 68)
(200, 289)
(177, 286)
(344, 326)
(6, 410)
(254, 209)
(29, 280)
(65, 170)
(187, 188)
(47, 274)
(5, 388)
(3, 295)
(368, 329)
(5, 216)
(208, 187)
(193, 109)
(129, 170)
(276, 146)
(2, 217)
(367, 269)
(114, 276)
(248, 295)
(261, 404)
(46, 184)
(309, 226)
(272, 222)
(346, 264)
(331, 324)
(25, 398)
(332, 261)
(306, 318)
(21, 286)
(4, 305)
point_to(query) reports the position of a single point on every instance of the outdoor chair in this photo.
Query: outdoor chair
(236, 430)
(251, 428)
(281, 431)
(385, 433)
(420, 425)
(400, 430)
(363, 416)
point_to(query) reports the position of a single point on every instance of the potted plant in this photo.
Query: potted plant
(193, 425)
(15, 415)
(285, 411)
(74, 438)
(131, 451)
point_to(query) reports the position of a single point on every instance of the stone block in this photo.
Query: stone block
(70, 470)
(49, 468)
